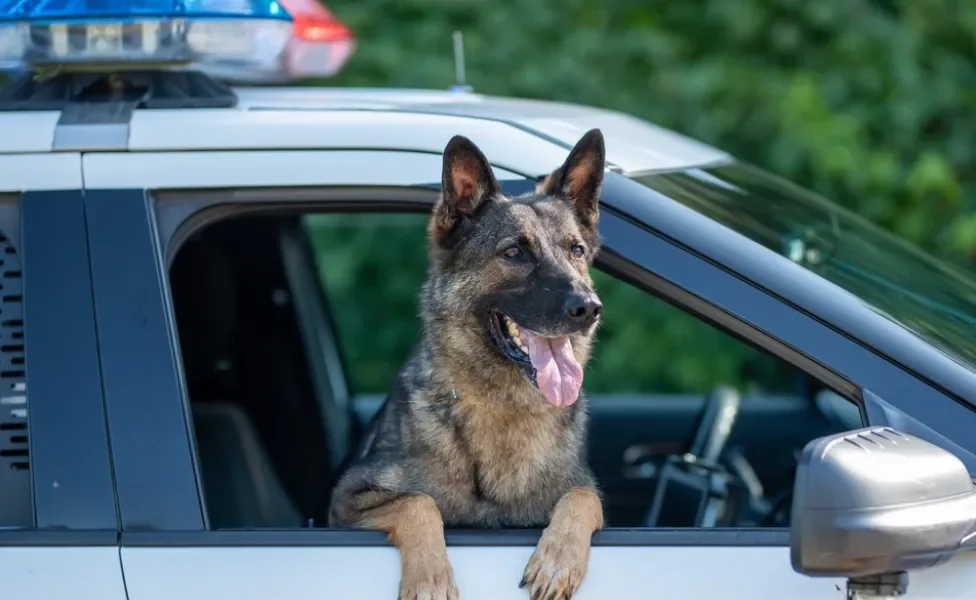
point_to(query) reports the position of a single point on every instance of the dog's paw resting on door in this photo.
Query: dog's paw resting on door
(559, 562)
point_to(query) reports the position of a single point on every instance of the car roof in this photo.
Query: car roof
(309, 117)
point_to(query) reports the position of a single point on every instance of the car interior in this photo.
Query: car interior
(274, 414)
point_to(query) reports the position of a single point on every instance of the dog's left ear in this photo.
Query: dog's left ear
(580, 178)
(466, 183)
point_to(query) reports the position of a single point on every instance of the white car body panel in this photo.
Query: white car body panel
(282, 168)
(521, 133)
(633, 144)
(22, 172)
(493, 573)
(281, 130)
(50, 572)
(27, 131)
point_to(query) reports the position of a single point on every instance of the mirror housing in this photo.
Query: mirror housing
(874, 501)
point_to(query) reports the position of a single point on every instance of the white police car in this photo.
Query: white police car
(182, 364)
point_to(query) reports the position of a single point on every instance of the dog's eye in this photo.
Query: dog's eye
(512, 252)
(578, 251)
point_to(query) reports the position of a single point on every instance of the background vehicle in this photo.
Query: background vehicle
(175, 339)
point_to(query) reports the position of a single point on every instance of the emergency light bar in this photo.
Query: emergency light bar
(258, 41)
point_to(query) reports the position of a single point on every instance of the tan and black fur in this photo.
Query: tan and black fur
(467, 439)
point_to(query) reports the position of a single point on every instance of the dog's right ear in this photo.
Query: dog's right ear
(466, 183)
(580, 178)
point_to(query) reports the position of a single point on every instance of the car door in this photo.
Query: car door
(171, 549)
(58, 525)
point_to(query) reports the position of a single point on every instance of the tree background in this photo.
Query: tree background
(870, 103)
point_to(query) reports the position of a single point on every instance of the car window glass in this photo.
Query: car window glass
(933, 298)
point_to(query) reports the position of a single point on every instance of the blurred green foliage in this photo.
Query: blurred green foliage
(870, 103)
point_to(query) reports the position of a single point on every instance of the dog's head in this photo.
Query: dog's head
(509, 278)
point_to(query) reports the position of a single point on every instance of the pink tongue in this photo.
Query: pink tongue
(558, 373)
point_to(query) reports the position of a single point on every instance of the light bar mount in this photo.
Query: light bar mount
(131, 89)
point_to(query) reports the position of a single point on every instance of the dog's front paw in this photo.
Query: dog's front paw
(557, 567)
(428, 580)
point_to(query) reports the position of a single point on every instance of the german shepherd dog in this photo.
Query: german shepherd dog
(486, 425)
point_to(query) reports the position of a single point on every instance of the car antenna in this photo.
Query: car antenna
(460, 86)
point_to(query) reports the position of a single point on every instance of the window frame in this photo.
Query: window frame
(317, 324)
(73, 492)
(871, 362)
(153, 451)
(633, 251)
(801, 287)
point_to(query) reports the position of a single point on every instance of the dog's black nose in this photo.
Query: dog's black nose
(583, 309)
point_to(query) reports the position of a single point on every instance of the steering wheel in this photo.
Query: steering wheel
(780, 512)
(714, 424)
(691, 487)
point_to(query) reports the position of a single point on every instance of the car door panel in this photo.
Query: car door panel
(192, 562)
(45, 572)
(482, 573)
(493, 573)
(69, 546)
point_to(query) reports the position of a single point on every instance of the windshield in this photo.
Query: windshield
(934, 299)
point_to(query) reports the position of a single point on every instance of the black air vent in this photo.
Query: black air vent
(15, 491)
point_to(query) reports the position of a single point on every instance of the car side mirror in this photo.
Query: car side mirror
(873, 503)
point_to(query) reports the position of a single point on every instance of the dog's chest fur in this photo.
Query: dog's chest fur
(515, 454)
(504, 465)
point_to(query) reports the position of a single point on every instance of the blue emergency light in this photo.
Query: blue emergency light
(256, 40)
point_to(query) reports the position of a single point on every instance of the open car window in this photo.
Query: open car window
(934, 299)
(262, 300)
(652, 369)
